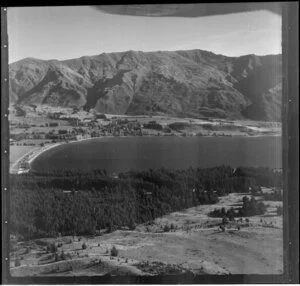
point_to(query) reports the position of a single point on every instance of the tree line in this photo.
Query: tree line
(250, 207)
(77, 203)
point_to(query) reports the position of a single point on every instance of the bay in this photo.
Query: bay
(120, 154)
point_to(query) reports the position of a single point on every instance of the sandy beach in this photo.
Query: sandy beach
(22, 164)
(32, 152)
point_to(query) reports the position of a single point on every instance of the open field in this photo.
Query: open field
(194, 245)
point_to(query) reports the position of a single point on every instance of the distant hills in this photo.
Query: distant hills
(192, 83)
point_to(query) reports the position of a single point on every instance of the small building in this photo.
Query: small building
(86, 136)
(12, 141)
(22, 171)
(24, 165)
(115, 176)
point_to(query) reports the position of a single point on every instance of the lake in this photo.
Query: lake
(119, 154)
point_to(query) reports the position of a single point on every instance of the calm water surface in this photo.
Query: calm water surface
(121, 154)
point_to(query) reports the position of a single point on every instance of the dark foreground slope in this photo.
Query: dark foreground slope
(73, 227)
(191, 83)
(84, 203)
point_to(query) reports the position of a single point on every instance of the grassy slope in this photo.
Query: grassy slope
(197, 245)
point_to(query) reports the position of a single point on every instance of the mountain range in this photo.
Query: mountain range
(191, 83)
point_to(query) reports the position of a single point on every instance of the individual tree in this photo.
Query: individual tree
(114, 251)
(17, 262)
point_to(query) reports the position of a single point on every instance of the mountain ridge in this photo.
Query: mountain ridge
(154, 51)
(190, 83)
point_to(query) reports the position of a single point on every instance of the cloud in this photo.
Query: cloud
(188, 10)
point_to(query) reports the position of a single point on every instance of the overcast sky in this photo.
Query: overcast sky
(71, 32)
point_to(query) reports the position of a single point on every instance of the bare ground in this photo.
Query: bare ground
(195, 245)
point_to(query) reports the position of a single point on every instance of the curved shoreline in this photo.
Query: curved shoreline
(16, 167)
(30, 156)
(48, 147)
(42, 150)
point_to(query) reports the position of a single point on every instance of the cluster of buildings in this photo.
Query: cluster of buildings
(77, 128)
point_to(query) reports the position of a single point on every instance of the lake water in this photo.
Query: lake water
(121, 154)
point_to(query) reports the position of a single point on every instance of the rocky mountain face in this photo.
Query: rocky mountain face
(190, 83)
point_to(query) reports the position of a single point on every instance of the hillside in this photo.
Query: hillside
(190, 83)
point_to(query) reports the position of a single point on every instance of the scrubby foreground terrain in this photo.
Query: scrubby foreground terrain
(180, 242)
(190, 83)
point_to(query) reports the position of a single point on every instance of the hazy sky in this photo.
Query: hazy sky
(71, 32)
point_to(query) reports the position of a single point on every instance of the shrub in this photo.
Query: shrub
(167, 130)
(62, 131)
(110, 227)
(62, 256)
(230, 214)
(114, 251)
(52, 248)
(279, 210)
(153, 125)
(17, 263)
(166, 228)
(224, 220)
(275, 196)
(178, 126)
(250, 208)
(132, 225)
(209, 127)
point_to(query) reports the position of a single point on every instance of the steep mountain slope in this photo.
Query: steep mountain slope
(191, 83)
